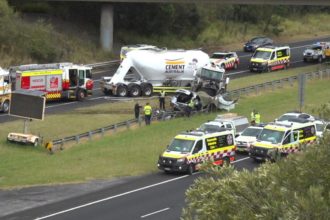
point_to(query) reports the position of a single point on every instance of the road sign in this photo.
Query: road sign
(28, 104)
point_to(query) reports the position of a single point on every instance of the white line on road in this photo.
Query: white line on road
(156, 212)
(111, 197)
(236, 161)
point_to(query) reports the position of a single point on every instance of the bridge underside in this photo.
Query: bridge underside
(106, 23)
(239, 2)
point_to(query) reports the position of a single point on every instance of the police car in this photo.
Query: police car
(225, 60)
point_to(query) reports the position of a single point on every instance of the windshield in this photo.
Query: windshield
(320, 127)
(286, 117)
(180, 145)
(265, 55)
(316, 48)
(252, 132)
(210, 128)
(257, 40)
(211, 74)
(218, 56)
(272, 136)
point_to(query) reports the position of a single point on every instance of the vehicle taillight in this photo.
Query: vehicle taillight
(65, 84)
(89, 84)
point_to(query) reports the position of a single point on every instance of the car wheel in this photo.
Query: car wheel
(80, 96)
(5, 107)
(190, 169)
(122, 91)
(226, 161)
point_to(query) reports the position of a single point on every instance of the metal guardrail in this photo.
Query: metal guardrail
(279, 83)
(58, 144)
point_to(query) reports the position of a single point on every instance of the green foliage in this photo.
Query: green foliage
(297, 187)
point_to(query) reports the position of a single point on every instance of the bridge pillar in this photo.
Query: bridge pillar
(106, 27)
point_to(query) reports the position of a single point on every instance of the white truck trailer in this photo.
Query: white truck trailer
(143, 72)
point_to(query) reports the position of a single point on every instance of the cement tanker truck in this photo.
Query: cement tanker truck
(144, 72)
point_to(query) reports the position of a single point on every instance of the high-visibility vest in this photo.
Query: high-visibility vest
(253, 117)
(147, 110)
(257, 118)
(191, 103)
(162, 94)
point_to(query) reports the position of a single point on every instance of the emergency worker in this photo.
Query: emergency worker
(137, 110)
(257, 117)
(327, 54)
(162, 100)
(253, 117)
(147, 113)
(190, 107)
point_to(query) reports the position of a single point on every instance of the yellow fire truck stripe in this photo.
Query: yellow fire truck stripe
(43, 72)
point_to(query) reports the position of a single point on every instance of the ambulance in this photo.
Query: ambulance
(188, 150)
(267, 59)
(57, 80)
(283, 138)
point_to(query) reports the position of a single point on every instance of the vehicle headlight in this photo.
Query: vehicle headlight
(181, 160)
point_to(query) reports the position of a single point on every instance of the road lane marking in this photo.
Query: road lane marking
(244, 158)
(156, 212)
(111, 197)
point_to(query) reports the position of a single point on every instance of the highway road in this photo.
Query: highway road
(155, 196)
(98, 97)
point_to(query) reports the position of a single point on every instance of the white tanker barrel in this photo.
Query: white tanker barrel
(161, 65)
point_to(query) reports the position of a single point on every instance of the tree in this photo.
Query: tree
(297, 187)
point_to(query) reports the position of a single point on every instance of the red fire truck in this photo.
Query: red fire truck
(57, 80)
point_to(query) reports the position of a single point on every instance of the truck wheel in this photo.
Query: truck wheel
(5, 106)
(226, 161)
(190, 169)
(134, 90)
(147, 90)
(80, 96)
(122, 91)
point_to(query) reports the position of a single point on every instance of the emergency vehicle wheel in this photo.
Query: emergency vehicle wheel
(122, 91)
(80, 95)
(5, 107)
(226, 162)
(190, 169)
(134, 90)
(146, 89)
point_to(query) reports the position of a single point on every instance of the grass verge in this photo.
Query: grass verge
(131, 152)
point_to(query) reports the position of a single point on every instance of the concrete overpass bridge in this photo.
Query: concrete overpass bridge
(107, 11)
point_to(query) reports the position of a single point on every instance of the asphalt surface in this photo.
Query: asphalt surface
(153, 196)
(39, 201)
